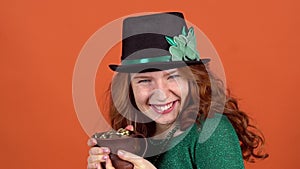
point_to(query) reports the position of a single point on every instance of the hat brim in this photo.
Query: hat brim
(157, 66)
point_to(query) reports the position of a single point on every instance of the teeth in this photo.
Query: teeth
(164, 107)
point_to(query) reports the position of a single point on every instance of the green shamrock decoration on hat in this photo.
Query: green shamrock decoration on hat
(183, 47)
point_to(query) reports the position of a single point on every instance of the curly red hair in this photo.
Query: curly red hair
(207, 95)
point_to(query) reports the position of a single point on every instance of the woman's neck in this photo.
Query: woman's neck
(162, 130)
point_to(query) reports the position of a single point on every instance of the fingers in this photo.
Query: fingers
(108, 165)
(95, 160)
(94, 166)
(92, 142)
(99, 150)
(96, 156)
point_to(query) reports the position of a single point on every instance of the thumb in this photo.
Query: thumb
(134, 159)
(137, 161)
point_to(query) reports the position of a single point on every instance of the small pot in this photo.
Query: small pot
(135, 143)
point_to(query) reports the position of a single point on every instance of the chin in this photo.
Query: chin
(165, 120)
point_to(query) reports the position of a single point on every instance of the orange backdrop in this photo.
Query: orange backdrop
(40, 41)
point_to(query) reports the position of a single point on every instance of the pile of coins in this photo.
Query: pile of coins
(113, 134)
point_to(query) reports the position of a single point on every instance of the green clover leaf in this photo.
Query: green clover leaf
(176, 53)
(191, 54)
(184, 47)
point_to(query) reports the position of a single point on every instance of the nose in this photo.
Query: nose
(161, 91)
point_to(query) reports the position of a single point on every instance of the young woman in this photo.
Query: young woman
(164, 91)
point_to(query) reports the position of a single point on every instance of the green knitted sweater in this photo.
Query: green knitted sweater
(221, 149)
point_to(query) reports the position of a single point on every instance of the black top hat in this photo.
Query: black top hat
(157, 42)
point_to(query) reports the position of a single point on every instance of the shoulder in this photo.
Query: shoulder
(218, 145)
(211, 129)
(216, 127)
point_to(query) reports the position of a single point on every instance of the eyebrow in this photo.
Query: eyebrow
(171, 72)
(145, 76)
(140, 77)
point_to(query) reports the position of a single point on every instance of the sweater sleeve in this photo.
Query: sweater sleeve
(219, 148)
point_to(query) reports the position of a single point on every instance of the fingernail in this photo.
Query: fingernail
(105, 150)
(129, 127)
(121, 152)
(105, 157)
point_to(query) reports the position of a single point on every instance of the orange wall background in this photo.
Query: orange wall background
(40, 41)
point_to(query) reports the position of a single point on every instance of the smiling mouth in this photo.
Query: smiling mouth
(163, 108)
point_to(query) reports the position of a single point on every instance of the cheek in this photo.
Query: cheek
(181, 88)
(140, 95)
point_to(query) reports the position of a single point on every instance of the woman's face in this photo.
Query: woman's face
(160, 95)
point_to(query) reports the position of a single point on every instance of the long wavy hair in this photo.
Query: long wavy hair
(207, 95)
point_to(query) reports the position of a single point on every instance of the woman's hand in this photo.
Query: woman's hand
(98, 155)
(101, 154)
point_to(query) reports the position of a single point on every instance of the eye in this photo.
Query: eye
(144, 81)
(173, 76)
